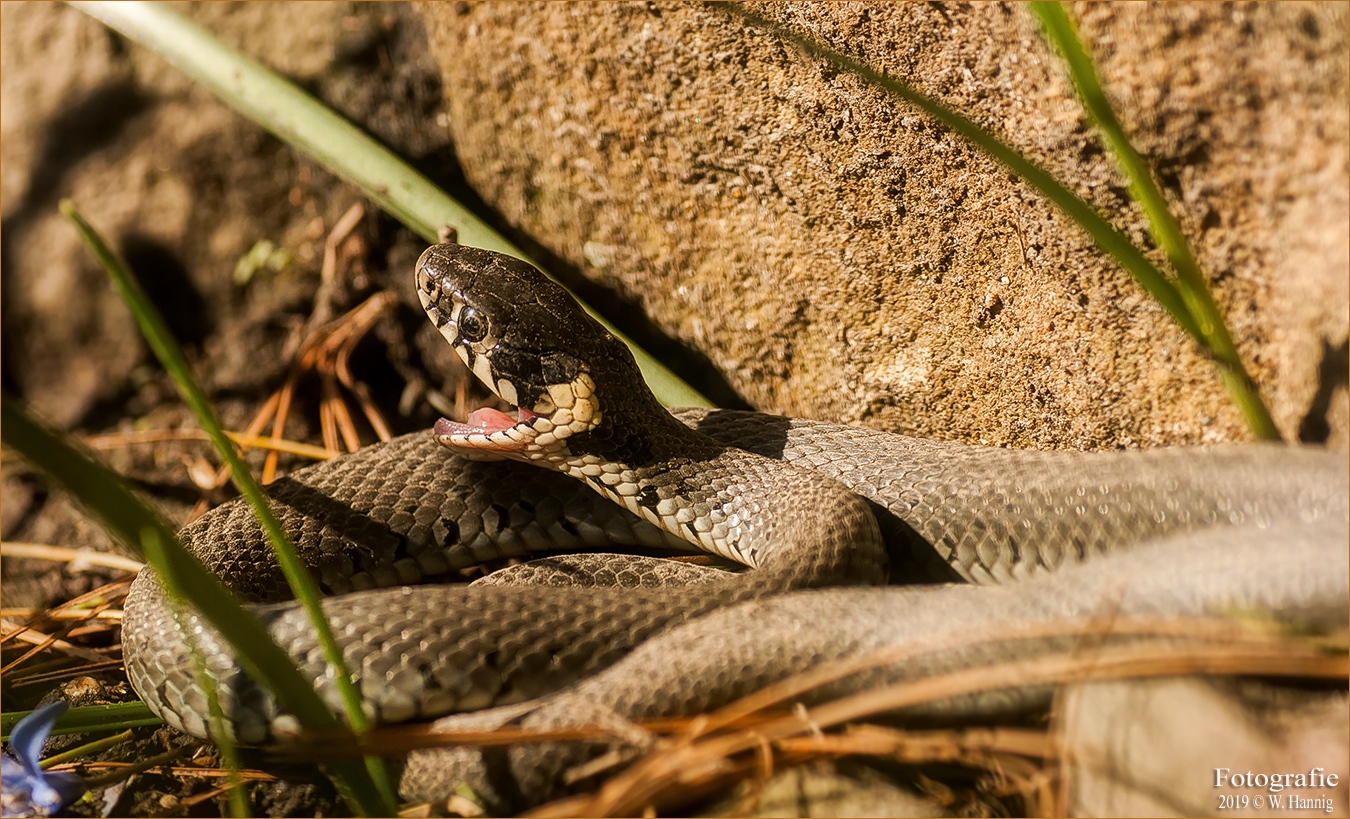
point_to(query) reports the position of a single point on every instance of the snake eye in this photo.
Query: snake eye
(473, 325)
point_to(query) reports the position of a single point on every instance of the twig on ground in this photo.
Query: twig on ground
(681, 767)
(65, 554)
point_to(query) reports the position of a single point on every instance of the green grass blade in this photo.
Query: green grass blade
(302, 585)
(156, 552)
(1203, 324)
(107, 496)
(115, 717)
(299, 119)
(1111, 241)
(1163, 225)
(94, 747)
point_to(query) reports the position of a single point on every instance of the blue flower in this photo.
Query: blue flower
(27, 789)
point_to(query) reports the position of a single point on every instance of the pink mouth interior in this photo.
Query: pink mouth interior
(483, 421)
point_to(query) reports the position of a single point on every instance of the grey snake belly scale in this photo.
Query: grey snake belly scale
(804, 504)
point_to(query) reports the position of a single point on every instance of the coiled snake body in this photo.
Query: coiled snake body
(803, 504)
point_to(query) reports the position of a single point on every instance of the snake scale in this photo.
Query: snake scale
(819, 512)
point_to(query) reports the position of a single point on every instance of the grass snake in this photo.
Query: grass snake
(805, 505)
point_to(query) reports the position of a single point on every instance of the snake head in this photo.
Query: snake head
(530, 343)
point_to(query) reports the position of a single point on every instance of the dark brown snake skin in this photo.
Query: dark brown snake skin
(853, 503)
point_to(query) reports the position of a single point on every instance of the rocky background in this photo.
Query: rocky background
(785, 235)
(837, 255)
(793, 239)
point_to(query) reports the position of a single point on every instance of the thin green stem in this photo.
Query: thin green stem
(1190, 306)
(107, 496)
(114, 717)
(87, 748)
(300, 120)
(1111, 241)
(1163, 225)
(166, 349)
(155, 552)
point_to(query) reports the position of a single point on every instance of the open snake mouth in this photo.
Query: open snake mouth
(530, 435)
(489, 430)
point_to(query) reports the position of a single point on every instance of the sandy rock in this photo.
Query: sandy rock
(836, 254)
(1170, 747)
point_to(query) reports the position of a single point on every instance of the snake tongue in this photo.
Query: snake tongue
(483, 421)
(488, 420)
(481, 430)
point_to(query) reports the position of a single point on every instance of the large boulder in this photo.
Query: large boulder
(837, 254)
